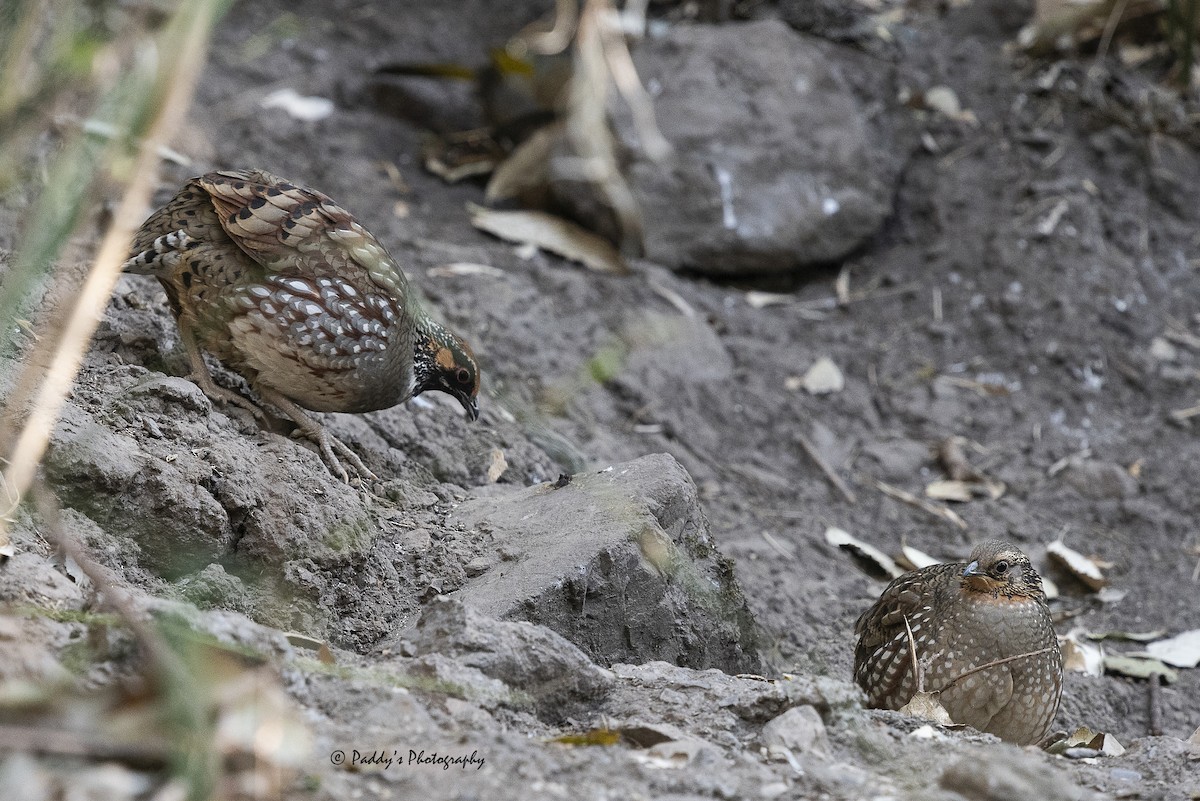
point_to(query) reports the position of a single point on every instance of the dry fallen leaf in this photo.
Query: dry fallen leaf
(914, 559)
(307, 109)
(551, 233)
(963, 491)
(1182, 650)
(1083, 568)
(466, 269)
(758, 299)
(1083, 737)
(927, 707)
(1129, 636)
(871, 558)
(1081, 656)
(497, 467)
(1139, 667)
(824, 377)
(1106, 744)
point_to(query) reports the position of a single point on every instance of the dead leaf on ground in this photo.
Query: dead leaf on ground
(1139, 667)
(1081, 656)
(966, 482)
(602, 737)
(1182, 650)
(964, 491)
(497, 467)
(551, 233)
(872, 560)
(463, 268)
(297, 106)
(1069, 23)
(927, 707)
(914, 559)
(457, 156)
(758, 299)
(1130, 636)
(1083, 737)
(1080, 566)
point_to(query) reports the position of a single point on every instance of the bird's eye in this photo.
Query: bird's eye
(1001, 567)
(463, 376)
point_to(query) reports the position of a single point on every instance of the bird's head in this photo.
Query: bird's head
(1000, 569)
(443, 361)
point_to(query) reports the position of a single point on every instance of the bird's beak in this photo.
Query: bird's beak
(977, 579)
(469, 404)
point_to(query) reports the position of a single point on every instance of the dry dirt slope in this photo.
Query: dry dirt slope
(977, 318)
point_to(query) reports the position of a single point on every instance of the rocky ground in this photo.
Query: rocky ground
(1023, 276)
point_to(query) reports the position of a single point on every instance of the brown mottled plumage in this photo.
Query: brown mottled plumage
(963, 616)
(290, 291)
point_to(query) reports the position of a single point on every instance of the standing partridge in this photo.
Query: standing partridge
(961, 617)
(290, 291)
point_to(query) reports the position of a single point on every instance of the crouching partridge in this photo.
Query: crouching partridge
(988, 611)
(287, 289)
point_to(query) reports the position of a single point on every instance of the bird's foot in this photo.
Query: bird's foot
(331, 448)
(227, 396)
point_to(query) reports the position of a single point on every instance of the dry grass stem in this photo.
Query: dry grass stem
(88, 307)
(918, 676)
(161, 657)
(826, 468)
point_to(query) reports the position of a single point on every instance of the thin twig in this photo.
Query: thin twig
(1180, 415)
(1156, 728)
(993, 664)
(100, 747)
(937, 510)
(826, 468)
(1110, 27)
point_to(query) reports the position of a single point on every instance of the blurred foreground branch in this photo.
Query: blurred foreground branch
(161, 81)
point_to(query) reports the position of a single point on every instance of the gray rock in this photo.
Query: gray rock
(1006, 773)
(620, 563)
(527, 658)
(773, 165)
(213, 588)
(685, 697)
(800, 730)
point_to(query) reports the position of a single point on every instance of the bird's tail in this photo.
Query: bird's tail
(163, 254)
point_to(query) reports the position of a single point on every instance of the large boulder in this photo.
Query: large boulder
(774, 165)
(620, 562)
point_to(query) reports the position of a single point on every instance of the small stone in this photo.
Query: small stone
(1163, 351)
(800, 730)
(824, 377)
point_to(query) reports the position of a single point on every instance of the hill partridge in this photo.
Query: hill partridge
(287, 289)
(961, 617)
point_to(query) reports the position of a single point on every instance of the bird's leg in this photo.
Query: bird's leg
(327, 443)
(203, 379)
